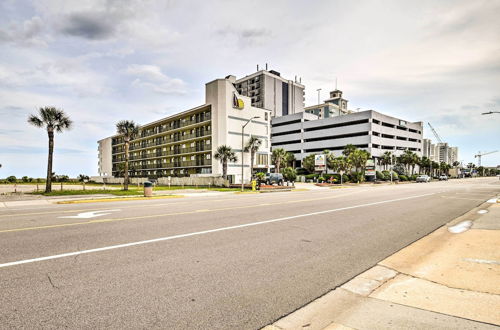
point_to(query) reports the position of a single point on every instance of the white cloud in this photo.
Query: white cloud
(151, 77)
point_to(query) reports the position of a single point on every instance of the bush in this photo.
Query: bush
(395, 176)
(11, 179)
(25, 179)
(301, 171)
(403, 178)
(413, 177)
(289, 174)
(311, 176)
(381, 176)
(321, 179)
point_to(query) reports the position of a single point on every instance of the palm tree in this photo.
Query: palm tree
(128, 129)
(386, 159)
(348, 149)
(290, 160)
(253, 146)
(53, 120)
(279, 157)
(358, 158)
(225, 154)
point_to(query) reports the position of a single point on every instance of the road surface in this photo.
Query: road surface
(212, 262)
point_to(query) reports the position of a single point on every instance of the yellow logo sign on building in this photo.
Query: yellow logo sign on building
(238, 103)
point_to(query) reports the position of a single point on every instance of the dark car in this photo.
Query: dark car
(272, 178)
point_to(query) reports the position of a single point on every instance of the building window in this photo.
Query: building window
(208, 156)
(192, 157)
(208, 142)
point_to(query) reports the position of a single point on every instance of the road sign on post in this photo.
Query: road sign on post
(319, 163)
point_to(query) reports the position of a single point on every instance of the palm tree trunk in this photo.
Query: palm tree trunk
(224, 170)
(48, 183)
(125, 170)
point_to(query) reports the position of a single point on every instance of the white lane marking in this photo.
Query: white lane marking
(483, 261)
(92, 214)
(460, 227)
(167, 238)
(482, 211)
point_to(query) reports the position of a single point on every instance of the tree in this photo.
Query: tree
(53, 120)
(348, 149)
(83, 177)
(386, 159)
(253, 146)
(279, 156)
(25, 179)
(289, 174)
(290, 159)
(128, 129)
(358, 158)
(225, 154)
(308, 163)
(12, 179)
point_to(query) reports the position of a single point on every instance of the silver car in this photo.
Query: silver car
(423, 178)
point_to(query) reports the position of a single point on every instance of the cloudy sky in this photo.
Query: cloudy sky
(102, 61)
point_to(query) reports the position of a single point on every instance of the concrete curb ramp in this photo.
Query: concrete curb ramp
(446, 280)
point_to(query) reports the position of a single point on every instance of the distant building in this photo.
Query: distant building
(184, 143)
(440, 152)
(304, 133)
(332, 107)
(268, 90)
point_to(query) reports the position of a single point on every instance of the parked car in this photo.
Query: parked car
(272, 178)
(423, 178)
(443, 177)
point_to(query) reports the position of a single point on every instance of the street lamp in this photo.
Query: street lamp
(242, 152)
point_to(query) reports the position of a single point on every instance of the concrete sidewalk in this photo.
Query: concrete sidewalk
(449, 279)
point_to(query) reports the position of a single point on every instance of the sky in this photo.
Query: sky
(104, 61)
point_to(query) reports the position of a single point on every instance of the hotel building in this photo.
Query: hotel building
(184, 144)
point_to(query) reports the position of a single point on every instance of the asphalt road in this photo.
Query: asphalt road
(223, 262)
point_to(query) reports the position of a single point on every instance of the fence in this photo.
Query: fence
(165, 181)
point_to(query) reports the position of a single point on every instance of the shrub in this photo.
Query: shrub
(395, 176)
(301, 171)
(11, 179)
(260, 176)
(321, 179)
(289, 174)
(25, 179)
(403, 178)
(311, 176)
(380, 176)
(413, 177)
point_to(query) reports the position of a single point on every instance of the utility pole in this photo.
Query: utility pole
(243, 154)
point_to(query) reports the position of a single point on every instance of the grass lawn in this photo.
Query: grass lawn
(90, 192)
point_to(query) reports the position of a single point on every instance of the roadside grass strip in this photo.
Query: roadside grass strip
(126, 199)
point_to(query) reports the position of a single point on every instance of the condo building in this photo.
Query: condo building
(336, 105)
(440, 152)
(268, 90)
(304, 133)
(184, 144)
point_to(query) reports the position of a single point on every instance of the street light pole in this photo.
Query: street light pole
(242, 152)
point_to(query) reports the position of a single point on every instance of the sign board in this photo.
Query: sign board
(319, 163)
(238, 103)
(370, 167)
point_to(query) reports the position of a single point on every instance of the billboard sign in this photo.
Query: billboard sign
(319, 163)
(370, 167)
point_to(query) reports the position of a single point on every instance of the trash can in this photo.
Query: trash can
(148, 189)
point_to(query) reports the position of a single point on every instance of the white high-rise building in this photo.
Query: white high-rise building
(268, 90)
